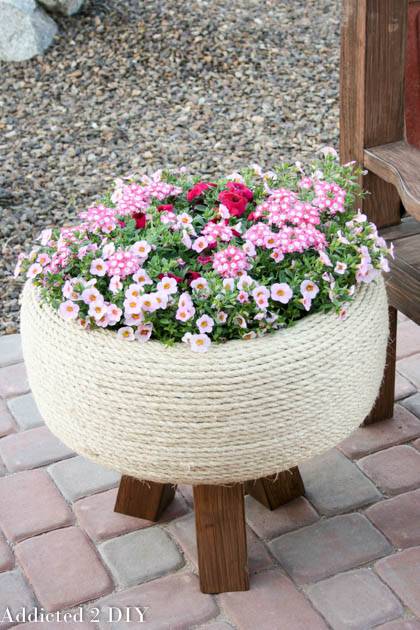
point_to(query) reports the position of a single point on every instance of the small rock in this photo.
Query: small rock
(25, 30)
(64, 7)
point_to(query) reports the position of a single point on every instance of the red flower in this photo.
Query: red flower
(235, 203)
(251, 216)
(240, 189)
(170, 275)
(198, 190)
(166, 207)
(204, 260)
(140, 219)
(192, 275)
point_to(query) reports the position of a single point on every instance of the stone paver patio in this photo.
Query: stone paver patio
(345, 556)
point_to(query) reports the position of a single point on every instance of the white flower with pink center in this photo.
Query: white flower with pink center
(126, 333)
(199, 244)
(144, 332)
(34, 270)
(243, 297)
(68, 310)
(200, 284)
(185, 301)
(205, 324)
(309, 289)
(200, 342)
(98, 267)
(167, 285)
(122, 263)
(281, 292)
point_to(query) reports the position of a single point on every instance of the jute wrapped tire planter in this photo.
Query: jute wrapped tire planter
(244, 410)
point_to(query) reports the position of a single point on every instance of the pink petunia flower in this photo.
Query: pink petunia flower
(183, 314)
(97, 311)
(309, 290)
(148, 303)
(92, 296)
(144, 332)
(167, 285)
(126, 333)
(114, 313)
(132, 305)
(200, 284)
(68, 310)
(200, 342)
(34, 270)
(340, 268)
(281, 292)
(205, 324)
(98, 267)
(199, 244)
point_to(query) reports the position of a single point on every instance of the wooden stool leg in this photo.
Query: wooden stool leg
(143, 499)
(384, 406)
(276, 490)
(221, 538)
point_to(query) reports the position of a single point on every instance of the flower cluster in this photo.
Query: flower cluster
(178, 260)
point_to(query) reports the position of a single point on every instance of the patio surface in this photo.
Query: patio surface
(345, 556)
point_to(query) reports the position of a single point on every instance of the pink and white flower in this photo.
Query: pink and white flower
(200, 284)
(141, 277)
(144, 332)
(126, 333)
(205, 324)
(92, 296)
(34, 270)
(114, 313)
(97, 311)
(141, 249)
(281, 292)
(148, 303)
(115, 285)
(68, 310)
(309, 290)
(98, 267)
(132, 305)
(199, 244)
(167, 285)
(200, 342)
(340, 268)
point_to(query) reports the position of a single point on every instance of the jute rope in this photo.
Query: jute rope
(243, 410)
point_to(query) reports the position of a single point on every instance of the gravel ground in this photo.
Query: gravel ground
(141, 84)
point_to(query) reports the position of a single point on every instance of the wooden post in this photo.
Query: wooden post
(221, 538)
(278, 489)
(143, 499)
(373, 43)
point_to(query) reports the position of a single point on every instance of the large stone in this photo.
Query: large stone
(64, 7)
(25, 30)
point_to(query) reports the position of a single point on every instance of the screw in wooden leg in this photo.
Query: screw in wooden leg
(276, 490)
(143, 499)
(221, 538)
(384, 405)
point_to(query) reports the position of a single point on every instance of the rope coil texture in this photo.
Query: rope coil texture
(243, 410)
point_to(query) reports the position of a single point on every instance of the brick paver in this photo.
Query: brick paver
(63, 568)
(6, 420)
(25, 411)
(174, 602)
(403, 387)
(269, 524)
(31, 449)
(31, 504)
(329, 546)
(334, 484)
(402, 573)
(272, 602)
(140, 556)
(395, 470)
(408, 339)
(355, 600)
(404, 426)
(15, 594)
(6, 556)
(10, 350)
(78, 477)
(398, 518)
(412, 403)
(410, 369)
(184, 532)
(13, 380)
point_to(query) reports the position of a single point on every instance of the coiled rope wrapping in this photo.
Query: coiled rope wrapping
(243, 410)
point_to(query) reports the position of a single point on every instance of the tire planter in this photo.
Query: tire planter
(244, 410)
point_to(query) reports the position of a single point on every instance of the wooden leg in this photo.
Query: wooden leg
(221, 538)
(384, 406)
(278, 489)
(143, 499)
